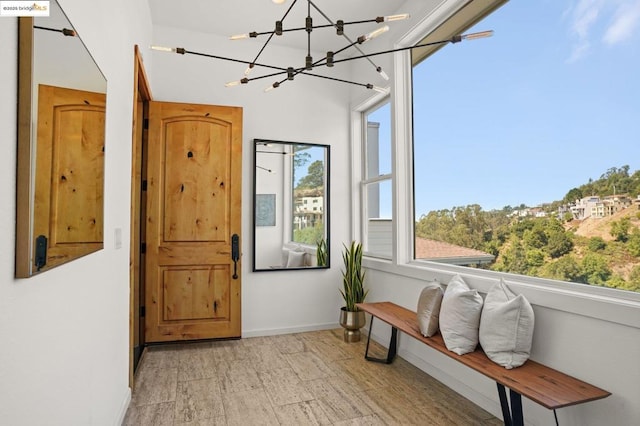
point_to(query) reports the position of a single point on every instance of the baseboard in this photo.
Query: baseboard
(124, 407)
(289, 330)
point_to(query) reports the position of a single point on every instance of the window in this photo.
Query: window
(376, 183)
(526, 153)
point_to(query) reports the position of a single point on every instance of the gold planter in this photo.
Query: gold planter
(352, 322)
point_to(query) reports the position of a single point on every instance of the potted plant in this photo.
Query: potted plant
(352, 292)
(321, 252)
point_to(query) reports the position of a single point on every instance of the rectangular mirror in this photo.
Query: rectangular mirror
(291, 206)
(61, 128)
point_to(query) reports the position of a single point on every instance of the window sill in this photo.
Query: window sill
(606, 304)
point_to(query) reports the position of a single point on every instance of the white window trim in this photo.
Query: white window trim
(622, 307)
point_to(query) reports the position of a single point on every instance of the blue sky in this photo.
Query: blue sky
(551, 100)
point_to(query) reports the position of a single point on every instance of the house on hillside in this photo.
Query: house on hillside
(597, 207)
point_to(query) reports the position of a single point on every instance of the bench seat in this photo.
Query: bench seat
(544, 385)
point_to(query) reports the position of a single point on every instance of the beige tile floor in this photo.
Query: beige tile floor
(296, 379)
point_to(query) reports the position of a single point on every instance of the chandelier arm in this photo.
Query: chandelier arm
(315, 27)
(343, 35)
(399, 49)
(335, 79)
(272, 32)
(309, 30)
(224, 58)
(266, 76)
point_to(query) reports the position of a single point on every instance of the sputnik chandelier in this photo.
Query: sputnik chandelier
(329, 60)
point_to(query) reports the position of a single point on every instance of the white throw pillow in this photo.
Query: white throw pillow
(296, 259)
(429, 308)
(506, 326)
(460, 316)
(285, 257)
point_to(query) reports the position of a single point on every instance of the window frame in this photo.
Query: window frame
(366, 181)
(618, 306)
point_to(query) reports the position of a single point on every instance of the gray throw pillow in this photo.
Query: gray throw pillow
(296, 259)
(429, 308)
(506, 326)
(460, 316)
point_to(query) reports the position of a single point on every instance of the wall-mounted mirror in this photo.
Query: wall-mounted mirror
(61, 119)
(291, 206)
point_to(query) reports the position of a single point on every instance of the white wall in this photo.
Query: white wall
(64, 337)
(308, 110)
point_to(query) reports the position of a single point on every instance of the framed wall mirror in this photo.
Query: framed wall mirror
(290, 206)
(61, 134)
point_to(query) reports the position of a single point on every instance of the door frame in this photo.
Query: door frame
(141, 95)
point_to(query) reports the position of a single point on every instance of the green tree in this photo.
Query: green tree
(633, 243)
(535, 257)
(595, 269)
(633, 283)
(514, 259)
(559, 243)
(535, 237)
(620, 229)
(564, 269)
(309, 235)
(596, 244)
(314, 177)
(573, 195)
(616, 281)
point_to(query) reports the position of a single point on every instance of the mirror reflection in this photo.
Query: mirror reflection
(291, 205)
(61, 104)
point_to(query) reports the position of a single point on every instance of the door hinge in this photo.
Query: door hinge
(143, 311)
(145, 124)
(143, 248)
(144, 185)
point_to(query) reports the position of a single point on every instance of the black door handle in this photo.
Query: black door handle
(41, 252)
(235, 254)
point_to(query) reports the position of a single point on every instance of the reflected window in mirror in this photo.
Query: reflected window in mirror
(291, 205)
(61, 135)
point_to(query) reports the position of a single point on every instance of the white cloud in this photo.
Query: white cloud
(587, 22)
(625, 21)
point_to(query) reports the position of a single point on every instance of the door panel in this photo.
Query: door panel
(68, 206)
(193, 209)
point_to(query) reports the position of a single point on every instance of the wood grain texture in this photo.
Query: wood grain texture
(231, 386)
(548, 387)
(69, 182)
(194, 167)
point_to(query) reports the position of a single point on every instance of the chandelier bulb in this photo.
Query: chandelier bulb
(377, 89)
(399, 17)
(278, 1)
(382, 73)
(249, 69)
(474, 36)
(163, 48)
(239, 37)
(373, 34)
(273, 86)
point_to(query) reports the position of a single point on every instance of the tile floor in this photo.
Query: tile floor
(296, 379)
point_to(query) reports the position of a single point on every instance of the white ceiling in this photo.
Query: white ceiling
(229, 17)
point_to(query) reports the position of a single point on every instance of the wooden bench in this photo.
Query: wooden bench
(546, 386)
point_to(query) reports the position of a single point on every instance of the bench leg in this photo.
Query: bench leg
(512, 415)
(392, 346)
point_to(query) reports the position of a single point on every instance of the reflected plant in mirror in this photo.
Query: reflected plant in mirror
(61, 135)
(291, 205)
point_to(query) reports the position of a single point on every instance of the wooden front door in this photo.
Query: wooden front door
(68, 195)
(194, 162)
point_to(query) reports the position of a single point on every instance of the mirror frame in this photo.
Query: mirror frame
(25, 162)
(327, 198)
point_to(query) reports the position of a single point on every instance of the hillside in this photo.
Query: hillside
(601, 227)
